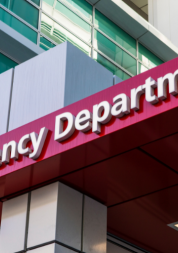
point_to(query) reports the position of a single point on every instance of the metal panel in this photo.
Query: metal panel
(84, 76)
(112, 248)
(13, 223)
(94, 226)
(38, 87)
(60, 249)
(42, 221)
(5, 90)
(45, 249)
(69, 217)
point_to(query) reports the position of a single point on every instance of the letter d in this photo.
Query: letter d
(59, 134)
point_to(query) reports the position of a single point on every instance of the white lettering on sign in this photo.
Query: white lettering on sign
(12, 149)
(103, 112)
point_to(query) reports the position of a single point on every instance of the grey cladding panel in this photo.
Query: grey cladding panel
(38, 87)
(5, 91)
(84, 76)
(69, 216)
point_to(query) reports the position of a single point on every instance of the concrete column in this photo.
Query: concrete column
(162, 14)
(53, 219)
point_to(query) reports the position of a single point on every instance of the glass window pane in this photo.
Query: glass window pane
(6, 63)
(142, 68)
(115, 53)
(46, 44)
(148, 58)
(58, 34)
(24, 10)
(83, 8)
(115, 32)
(37, 2)
(18, 25)
(111, 67)
(70, 20)
(13, 223)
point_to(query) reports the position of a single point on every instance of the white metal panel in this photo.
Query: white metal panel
(38, 87)
(43, 211)
(94, 226)
(13, 224)
(69, 216)
(5, 91)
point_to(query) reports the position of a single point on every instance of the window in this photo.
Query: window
(6, 63)
(23, 9)
(115, 32)
(18, 25)
(58, 34)
(111, 67)
(46, 44)
(115, 53)
(148, 58)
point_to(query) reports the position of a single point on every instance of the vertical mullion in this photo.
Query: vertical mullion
(137, 57)
(92, 32)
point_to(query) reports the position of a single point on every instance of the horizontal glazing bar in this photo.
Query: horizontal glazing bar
(19, 18)
(66, 28)
(113, 62)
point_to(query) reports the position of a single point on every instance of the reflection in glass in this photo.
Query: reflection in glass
(6, 63)
(46, 44)
(142, 68)
(115, 53)
(23, 9)
(69, 19)
(81, 7)
(111, 67)
(148, 58)
(58, 34)
(18, 25)
(115, 32)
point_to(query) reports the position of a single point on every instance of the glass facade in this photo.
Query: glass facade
(6, 63)
(51, 22)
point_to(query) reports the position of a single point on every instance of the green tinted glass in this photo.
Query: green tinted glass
(58, 34)
(37, 2)
(46, 44)
(18, 26)
(23, 9)
(111, 67)
(50, 2)
(83, 8)
(115, 32)
(148, 58)
(142, 68)
(6, 63)
(115, 53)
(72, 22)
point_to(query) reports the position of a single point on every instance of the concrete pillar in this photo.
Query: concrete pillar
(53, 219)
(162, 14)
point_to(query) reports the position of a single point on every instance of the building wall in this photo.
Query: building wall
(53, 22)
(163, 16)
